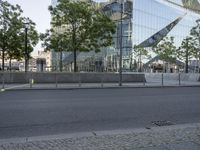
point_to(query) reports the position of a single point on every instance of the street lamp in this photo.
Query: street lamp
(198, 66)
(121, 40)
(26, 26)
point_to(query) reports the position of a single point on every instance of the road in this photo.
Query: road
(26, 113)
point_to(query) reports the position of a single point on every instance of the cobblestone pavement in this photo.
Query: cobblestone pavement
(175, 137)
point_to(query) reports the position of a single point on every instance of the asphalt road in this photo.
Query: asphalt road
(45, 112)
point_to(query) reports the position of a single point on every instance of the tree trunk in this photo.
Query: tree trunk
(61, 64)
(74, 46)
(199, 65)
(3, 60)
(186, 62)
(140, 69)
(10, 65)
(75, 66)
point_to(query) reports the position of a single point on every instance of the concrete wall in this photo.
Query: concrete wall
(21, 77)
(173, 76)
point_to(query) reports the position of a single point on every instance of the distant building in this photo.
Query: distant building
(43, 61)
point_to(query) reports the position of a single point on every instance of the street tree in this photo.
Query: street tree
(186, 51)
(12, 37)
(29, 39)
(54, 39)
(9, 15)
(167, 51)
(86, 28)
(140, 53)
(195, 34)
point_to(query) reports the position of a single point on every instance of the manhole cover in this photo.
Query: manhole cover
(162, 123)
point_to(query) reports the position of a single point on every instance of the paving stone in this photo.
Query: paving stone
(184, 146)
(153, 148)
(170, 138)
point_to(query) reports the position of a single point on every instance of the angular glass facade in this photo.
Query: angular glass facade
(141, 19)
(151, 16)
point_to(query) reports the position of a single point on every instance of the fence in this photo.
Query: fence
(66, 80)
(20, 80)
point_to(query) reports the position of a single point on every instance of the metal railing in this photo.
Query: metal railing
(33, 80)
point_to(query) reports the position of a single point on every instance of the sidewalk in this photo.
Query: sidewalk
(151, 83)
(175, 137)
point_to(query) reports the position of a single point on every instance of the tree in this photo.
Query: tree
(186, 51)
(195, 33)
(30, 38)
(54, 39)
(9, 16)
(85, 27)
(166, 50)
(141, 53)
(11, 34)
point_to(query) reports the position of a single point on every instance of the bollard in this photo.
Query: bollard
(56, 80)
(79, 82)
(3, 81)
(179, 79)
(102, 78)
(162, 80)
(31, 81)
(144, 80)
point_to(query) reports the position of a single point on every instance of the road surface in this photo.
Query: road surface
(26, 113)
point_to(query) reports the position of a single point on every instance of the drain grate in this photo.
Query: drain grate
(162, 123)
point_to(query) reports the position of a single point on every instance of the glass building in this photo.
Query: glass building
(144, 22)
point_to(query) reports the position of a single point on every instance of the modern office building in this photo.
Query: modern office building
(145, 23)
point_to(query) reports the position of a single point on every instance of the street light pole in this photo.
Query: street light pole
(121, 40)
(198, 66)
(26, 48)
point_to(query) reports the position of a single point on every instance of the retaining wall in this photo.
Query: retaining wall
(173, 76)
(21, 77)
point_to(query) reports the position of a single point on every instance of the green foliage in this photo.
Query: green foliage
(32, 36)
(11, 34)
(84, 28)
(186, 50)
(140, 53)
(166, 50)
(195, 33)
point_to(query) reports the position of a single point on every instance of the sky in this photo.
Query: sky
(37, 10)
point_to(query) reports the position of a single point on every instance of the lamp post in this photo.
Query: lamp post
(198, 60)
(121, 40)
(26, 47)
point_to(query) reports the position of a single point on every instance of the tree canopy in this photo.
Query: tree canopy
(84, 28)
(186, 50)
(141, 53)
(11, 34)
(166, 50)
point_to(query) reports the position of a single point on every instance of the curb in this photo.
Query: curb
(88, 88)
